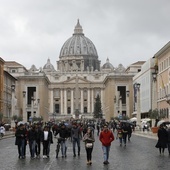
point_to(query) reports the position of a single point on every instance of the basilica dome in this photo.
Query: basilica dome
(79, 51)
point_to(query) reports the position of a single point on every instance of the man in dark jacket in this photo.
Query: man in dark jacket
(38, 140)
(76, 136)
(63, 135)
(21, 140)
(32, 136)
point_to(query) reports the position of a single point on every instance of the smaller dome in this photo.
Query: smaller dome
(48, 66)
(33, 68)
(107, 65)
(120, 68)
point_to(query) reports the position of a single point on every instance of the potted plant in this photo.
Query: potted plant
(156, 117)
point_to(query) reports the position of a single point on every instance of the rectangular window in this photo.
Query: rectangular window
(57, 108)
(31, 93)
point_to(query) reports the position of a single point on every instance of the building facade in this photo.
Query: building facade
(163, 81)
(1, 83)
(70, 90)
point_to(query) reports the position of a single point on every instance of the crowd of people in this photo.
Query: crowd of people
(39, 135)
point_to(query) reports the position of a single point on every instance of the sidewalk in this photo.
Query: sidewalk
(147, 134)
(8, 134)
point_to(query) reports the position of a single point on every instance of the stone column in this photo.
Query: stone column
(61, 101)
(72, 101)
(38, 109)
(82, 101)
(120, 105)
(32, 107)
(51, 101)
(65, 101)
(13, 103)
(102, 101)
(92, 100)
(88, 100)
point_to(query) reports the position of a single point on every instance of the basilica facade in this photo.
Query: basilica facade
(70, 89)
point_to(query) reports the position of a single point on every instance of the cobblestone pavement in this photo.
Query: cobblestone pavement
(139, 154)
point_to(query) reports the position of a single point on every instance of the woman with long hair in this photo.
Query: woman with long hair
(89, 140)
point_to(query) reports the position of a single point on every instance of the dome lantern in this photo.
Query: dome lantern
(78, 28)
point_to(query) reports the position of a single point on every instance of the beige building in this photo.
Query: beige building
(7, 98)
(163, 80)
(1, 83)
(71, 89)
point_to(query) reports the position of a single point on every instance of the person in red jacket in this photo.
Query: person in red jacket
(106, 137)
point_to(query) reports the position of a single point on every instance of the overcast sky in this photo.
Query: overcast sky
(125, 31)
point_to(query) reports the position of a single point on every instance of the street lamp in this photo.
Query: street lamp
(137, 86)
(120, 105)
(12, 104)
(115, 99)
(127, 103)
(154, 76)
(127, 93)
(13, 87)
(32, 106)
(24, 93)
(23, 112)
(13, 99)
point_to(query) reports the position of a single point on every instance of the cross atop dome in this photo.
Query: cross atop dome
(78, 28)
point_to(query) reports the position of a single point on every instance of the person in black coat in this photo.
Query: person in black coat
(162, 139)
(38, 140)
(46, 139)
(32, 137)
(20, 141)
(168, 144)
(125, 133)
(63, 135)
(129, 131)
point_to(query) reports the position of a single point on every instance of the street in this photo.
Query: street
(139, 154)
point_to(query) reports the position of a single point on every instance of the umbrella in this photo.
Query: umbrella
(166, 123)
(163, 122)
(20, 123)
(146, 119)
(127, 122)
(134, 119)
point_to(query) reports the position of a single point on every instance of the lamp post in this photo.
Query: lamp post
(13, 105)
(127, 103)
(154, 97)
(13, 100)
(24, 115)
(32, 107)
(137, 86)
(120, 107)
(38, 107)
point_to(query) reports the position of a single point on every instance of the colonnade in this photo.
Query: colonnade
(84, 93)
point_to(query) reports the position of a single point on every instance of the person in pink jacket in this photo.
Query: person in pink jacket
(106, 137)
